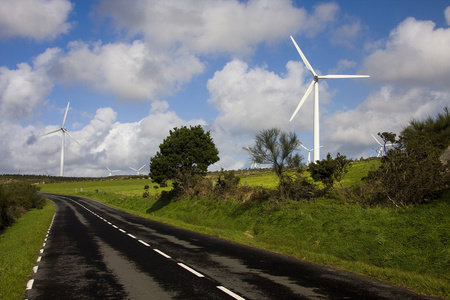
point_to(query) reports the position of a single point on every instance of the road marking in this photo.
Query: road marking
(30, 284)
(114, 226)
(132, 236)
(227, 291)
(191, 270)
(120, 229)
(162, 253)
(35, 269)
(39, 259)
(144, 243)
(41, 251)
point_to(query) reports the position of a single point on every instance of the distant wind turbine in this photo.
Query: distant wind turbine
(309, 153)
(315, 84)
(111, 171)
(137, 170)
(253, 159)
(382, 147)
(63, 131)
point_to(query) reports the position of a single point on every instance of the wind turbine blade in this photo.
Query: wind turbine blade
(65, 115)
(305, 61)
(108, 168)
(71, 136)
(305, 147)
(379, 143)
(308, 91)
(133, 169)
(342, 76)
(141, 167)
(53, 131)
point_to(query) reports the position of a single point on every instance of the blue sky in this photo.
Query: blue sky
(133, 70)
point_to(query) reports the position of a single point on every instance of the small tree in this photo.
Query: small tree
(183, 157)
(329, 170)
(276, 148)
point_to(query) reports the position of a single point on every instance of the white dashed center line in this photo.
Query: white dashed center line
(198, 274)
(191, 270)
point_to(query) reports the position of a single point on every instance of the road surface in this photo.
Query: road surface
(93, 251)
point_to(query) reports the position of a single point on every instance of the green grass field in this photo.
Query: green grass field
(408, 247)
(19, 248)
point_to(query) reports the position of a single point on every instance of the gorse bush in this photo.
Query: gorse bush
(411, 172)
(330, 170)
(16, 199)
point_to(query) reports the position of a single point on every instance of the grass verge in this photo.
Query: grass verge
(19, 246)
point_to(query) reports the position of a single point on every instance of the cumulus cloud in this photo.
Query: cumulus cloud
(251, 99)
(127, 70)
(36, 19)
(447, 15)
(416, 54)
(387, 109)
(216, 26)
(22, 90)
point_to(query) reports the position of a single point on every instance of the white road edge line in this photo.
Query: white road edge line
(227, 291)
(120, 229)
(162, 253)
(30, 284)
(131, 236)
(191, 270)
(144, 243)
(35, 269)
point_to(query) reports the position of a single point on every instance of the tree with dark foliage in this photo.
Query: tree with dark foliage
(184, 156)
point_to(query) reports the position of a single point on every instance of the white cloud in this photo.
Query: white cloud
(252, 99)
(22, 90)
(447, 15)
(104, 141)
(36, 19)
(416, 54)
(216, 26)
(129, 71)
(388, 109)
(345, 35)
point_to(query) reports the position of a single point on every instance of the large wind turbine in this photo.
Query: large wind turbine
(63, 131)
(137, 170)
(315, 84)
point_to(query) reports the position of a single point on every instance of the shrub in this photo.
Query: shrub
(298, 188)
(329, 170)
(16, 199)
(412, 172)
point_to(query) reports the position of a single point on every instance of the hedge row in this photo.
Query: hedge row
(15, 199)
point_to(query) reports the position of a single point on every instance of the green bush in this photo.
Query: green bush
(411, 172)
(15, 199)
(330, 170)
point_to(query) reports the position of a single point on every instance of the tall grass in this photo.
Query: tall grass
(19, 248)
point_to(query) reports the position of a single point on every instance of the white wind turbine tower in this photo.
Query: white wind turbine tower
(111, 171)
(63, 131)
(315, 84)
(137, 170)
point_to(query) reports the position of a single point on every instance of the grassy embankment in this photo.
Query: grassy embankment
(19, 248)
(408, 247)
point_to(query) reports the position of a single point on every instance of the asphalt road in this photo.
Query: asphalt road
(96, 252)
